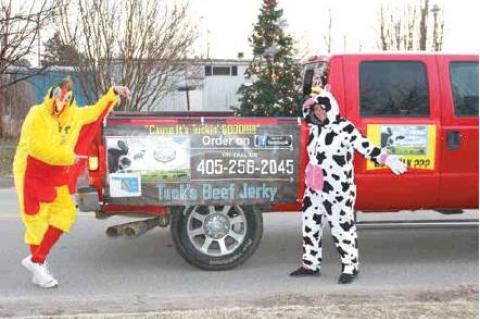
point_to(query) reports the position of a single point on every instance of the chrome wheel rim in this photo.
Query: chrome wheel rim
(216, 230)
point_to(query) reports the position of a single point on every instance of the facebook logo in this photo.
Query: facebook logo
(261, 140)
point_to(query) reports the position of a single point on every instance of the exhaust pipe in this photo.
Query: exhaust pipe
(136, 229)
(133, 229)
(116, 231)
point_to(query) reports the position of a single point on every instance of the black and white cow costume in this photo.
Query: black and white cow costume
(330, 189)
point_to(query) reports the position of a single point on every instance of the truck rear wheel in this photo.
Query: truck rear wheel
(216, 237)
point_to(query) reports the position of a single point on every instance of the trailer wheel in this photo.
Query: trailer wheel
(216, 237)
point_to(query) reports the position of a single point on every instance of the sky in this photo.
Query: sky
(225, 25)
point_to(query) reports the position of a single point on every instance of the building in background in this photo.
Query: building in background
(208, 85)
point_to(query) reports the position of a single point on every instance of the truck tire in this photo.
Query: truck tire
(216, 237)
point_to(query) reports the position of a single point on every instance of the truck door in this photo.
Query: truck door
(394, 101)
(459, 134)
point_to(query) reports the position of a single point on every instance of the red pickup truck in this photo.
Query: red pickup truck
(210, 176)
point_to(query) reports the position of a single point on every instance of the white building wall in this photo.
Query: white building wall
(221, 91)
(177, 101)
(212, 92)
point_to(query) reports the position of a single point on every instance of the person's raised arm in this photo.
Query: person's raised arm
(371, 152)
(89, 114)
(306, 107)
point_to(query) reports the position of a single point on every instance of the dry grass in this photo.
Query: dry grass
(438, 310)
(458, 302)
(7, 151)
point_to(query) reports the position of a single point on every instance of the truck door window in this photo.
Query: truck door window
(393, 89)
(464, 82)
(314, 77)
(307, 82)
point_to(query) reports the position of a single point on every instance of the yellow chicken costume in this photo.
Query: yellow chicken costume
(44, 154)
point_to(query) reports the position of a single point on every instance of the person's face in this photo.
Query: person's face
(59, 105)
(320, 113)
(61, 99)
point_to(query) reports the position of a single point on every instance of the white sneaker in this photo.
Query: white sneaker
(41, 275)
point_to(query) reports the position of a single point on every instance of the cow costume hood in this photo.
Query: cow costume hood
(327, 102)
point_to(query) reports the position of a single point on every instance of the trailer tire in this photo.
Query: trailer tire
(216, 237)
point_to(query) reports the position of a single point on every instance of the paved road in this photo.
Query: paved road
(114, 275)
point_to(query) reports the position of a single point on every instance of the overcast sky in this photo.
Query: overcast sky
(225, 25)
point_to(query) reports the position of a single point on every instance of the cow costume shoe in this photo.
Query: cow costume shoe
(330, 189)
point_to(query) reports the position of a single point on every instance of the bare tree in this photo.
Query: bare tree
(383, 30)
(20, 24)
(143, 44)
(411, 22)
(423, 25)
(437, 28)
(327, 38)
(409, 26)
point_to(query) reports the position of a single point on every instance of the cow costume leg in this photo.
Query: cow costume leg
(344, 234)
(314, 221)
(317, 210)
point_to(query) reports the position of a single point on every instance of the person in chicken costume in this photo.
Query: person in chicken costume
(44, 163)
(330, 189)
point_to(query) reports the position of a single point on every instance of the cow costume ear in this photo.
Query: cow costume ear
(327, 87)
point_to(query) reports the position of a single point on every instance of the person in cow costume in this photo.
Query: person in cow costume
(329, 184)
(43, 164)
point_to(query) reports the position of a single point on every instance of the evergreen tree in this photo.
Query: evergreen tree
(275, 90)
(59, 53)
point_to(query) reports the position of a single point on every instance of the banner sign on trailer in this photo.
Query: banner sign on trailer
(213, 163)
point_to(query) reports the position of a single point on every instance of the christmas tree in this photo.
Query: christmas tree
(275, 75)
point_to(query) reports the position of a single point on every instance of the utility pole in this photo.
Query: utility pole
(187, 90)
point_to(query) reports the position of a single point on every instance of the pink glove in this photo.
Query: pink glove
(309, 102)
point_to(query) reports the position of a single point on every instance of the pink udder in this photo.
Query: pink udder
(314, 177)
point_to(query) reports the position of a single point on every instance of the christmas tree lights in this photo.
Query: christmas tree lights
(275, 75)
